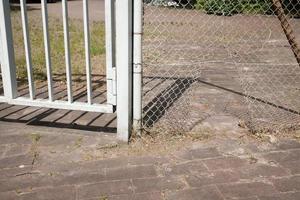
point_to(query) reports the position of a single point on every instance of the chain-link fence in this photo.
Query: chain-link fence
(221, 57)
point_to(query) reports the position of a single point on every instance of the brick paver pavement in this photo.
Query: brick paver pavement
(50, 163)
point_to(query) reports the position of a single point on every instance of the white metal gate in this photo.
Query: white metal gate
(118, 62)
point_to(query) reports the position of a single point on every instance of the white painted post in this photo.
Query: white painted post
(8, 67)
(137, 65)
(124, 34)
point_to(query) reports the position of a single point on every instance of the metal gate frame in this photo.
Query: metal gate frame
(119, 48)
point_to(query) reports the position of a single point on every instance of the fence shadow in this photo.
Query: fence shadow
(57, 118)
(164, 100)
(159, 105)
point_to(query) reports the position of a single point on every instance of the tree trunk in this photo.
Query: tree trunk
(287, 28)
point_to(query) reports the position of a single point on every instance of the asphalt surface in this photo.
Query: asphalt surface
(96, 9)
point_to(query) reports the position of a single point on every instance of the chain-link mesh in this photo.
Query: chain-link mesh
(214, 57)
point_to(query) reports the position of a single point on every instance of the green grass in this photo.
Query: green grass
(35, 137)
(97, 33)
(232, 7)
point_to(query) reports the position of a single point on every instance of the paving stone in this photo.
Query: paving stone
(114, 197)
(225, 163)
(138, 196)
(258, 170)
(247, 198)
(142, 177)
(26, 182)
(15, 161)
(231, 146)
(293, 166)
(107, 163)
(130, 172)
(213, 177)
(65, 167)
(260, 147)
(16, 139)
(283, 156)
(13, 172)
(200, 153)
(108, 188)
(285, 144)
(186, 155)
(2, 150)
(86, 166)
(8, 128)
(45, 157)
(57, 193)
(16, 149)
(12, 195)
(135, 196)
(282, 196)
(79, 178)
(147, 160)
(191, 167)
(59, 139)
(242, 190)
(14, 113)
(157, 184)
(148, 196)
(287, 184)
(204, 193)
(252, 148)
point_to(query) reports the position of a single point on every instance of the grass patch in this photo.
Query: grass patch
(231, 7)
(97, 33)
(78, 142)
(35, 137)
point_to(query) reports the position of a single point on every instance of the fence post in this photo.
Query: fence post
(124, 67)
(8, 67)
(110, 51)
(137, 65)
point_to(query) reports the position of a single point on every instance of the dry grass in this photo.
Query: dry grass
(152, 143)
(57, 45)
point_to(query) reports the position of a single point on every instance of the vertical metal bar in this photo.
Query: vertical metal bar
(87, 51)
(67, 50)
(8, 67)
(124, 68)
(27, 48)
(137, 65)
(47, 48)
(110, 51)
